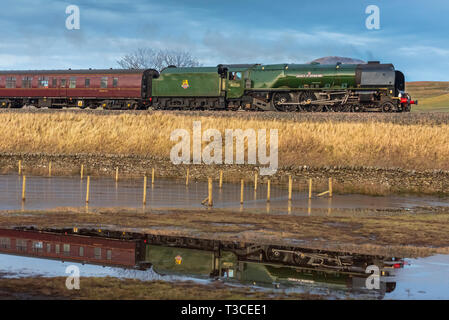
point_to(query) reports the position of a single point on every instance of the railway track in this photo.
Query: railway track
(436, 118)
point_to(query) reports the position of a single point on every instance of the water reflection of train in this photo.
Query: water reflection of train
(265, 265)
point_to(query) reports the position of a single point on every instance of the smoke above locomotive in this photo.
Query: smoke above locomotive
(310, 87)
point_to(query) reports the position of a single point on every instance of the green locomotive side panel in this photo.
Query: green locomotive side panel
(180, 260)
(266, 76)
(299, 76)
(266, 273)
(187, 82)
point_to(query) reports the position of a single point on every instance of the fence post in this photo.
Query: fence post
(330, 187)
(268, 190)
(290, 188)
(116, 174)
(242, 184)
(210, 201)
(221, 179)
(255, 181)
(23, 187)
(152, 176)
(49, 169)
(310, 188)
(20, 167)
(87, 189)
(82, 169)
(144, 200)
(187, 177)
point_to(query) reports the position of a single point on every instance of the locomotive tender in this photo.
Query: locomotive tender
(280, 87)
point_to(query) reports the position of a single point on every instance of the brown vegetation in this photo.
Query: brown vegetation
(324, 143)
(109, 288)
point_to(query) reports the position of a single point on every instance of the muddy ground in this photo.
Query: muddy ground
(362, 180)
(109, 288)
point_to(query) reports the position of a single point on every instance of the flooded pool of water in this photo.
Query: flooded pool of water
(28, 252)
(424, 278)
(53, 192)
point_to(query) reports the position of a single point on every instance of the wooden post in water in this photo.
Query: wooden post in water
(220, 184)
(24, 180)
(144, 200)
(210, 201)
(116, 174)
(268, 190)
(20, 167)
(255, 181)
(152, 176)
(87, 189)
(310, 188)
(82, 171)
(242, 185)
(187, 177)
(290, 182)
(330, 187)
(49, 169)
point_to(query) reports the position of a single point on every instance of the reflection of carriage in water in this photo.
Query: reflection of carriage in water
(228, 260)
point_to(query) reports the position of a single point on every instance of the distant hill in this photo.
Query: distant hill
(431, 95)
(334, 60)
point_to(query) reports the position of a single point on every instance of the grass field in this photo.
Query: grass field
(433, 96)
(325, 143)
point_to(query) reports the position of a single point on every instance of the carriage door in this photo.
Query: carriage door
(236, 84)
(62, 85)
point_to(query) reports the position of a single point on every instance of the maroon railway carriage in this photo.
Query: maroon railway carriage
(69, 247)
(110, 89)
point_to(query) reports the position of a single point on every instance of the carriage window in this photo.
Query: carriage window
(54, 83)
(42, 82)
(87, 83)
(97, 253)
(115, 82)
(57, 249)
(48, 247)
(10, 82)
(81, 252)
(38, 246)
(63, 83)
(72, 83)
(26, 82)
(66, 249)
(109, 254)
(104, 82)
(5, 243)
(21, 245)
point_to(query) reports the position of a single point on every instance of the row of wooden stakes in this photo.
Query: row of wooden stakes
(208, 200)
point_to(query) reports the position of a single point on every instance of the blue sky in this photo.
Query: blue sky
(412, 35)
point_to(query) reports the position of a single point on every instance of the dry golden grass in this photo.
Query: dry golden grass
(411, 146)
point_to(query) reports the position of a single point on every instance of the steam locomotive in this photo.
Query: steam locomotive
(280, 87)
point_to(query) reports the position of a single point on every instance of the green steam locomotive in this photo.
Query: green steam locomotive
(280, 87)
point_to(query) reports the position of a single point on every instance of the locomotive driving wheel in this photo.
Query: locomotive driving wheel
(387, 107)
(274, 254)
(309, 97)
(280, 102)
(300, 258)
